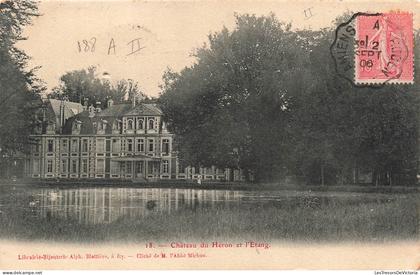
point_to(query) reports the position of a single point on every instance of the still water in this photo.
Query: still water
(106, 205)
(135, 214)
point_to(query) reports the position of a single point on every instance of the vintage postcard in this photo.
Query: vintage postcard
(210, 134)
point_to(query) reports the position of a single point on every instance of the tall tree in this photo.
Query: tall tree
(339, 129)
(132, 89)
(268, 99)
(19, 88)
(231, 107)
(79, 85)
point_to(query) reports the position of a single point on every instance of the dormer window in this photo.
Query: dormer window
(117, 124)
(151, 123)
(103, 124)
(50, 127)
(140, 124)
(76, 126)
(130, 124)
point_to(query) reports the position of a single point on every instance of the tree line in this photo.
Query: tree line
(265, 98)
(87, 86)
(261, 97)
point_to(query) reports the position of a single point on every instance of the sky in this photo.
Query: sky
(139, 40)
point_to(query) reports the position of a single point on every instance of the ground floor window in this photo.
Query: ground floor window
(149, 167)
(100, 166)
(139, 167)
(63, 166)
(49, 166)
(153, 167)
(74, 166)
(129, 167)
(35, 168)
(165, 166)
(115, 167)
(84, 165)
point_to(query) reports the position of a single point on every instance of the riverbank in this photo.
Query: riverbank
(208, 185)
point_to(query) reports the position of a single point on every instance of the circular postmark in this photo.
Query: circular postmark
(374, 49)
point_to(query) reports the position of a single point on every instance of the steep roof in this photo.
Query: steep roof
(70, 108)
(116, 110)
(110, 114)
(119, 110)
(87, 124)
(52, 111)
(145, 109)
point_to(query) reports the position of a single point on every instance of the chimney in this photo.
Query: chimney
(98, 106)
(110, 102)
(62, 106)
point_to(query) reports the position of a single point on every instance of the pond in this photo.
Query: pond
(107, 214)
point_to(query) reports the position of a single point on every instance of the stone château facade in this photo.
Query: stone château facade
(122, 141)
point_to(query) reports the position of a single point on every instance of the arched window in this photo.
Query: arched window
(130, 124)
(151, 123)
(140, 123)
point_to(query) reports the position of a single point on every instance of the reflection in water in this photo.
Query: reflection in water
(111, 213)
(105, 205)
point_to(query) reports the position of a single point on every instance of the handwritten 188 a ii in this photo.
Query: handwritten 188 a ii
(89, 46)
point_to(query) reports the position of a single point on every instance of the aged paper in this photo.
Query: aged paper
(88, 203)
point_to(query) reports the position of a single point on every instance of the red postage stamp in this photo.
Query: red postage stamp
(384, 48)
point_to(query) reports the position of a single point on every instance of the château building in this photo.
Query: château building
(122, 141)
